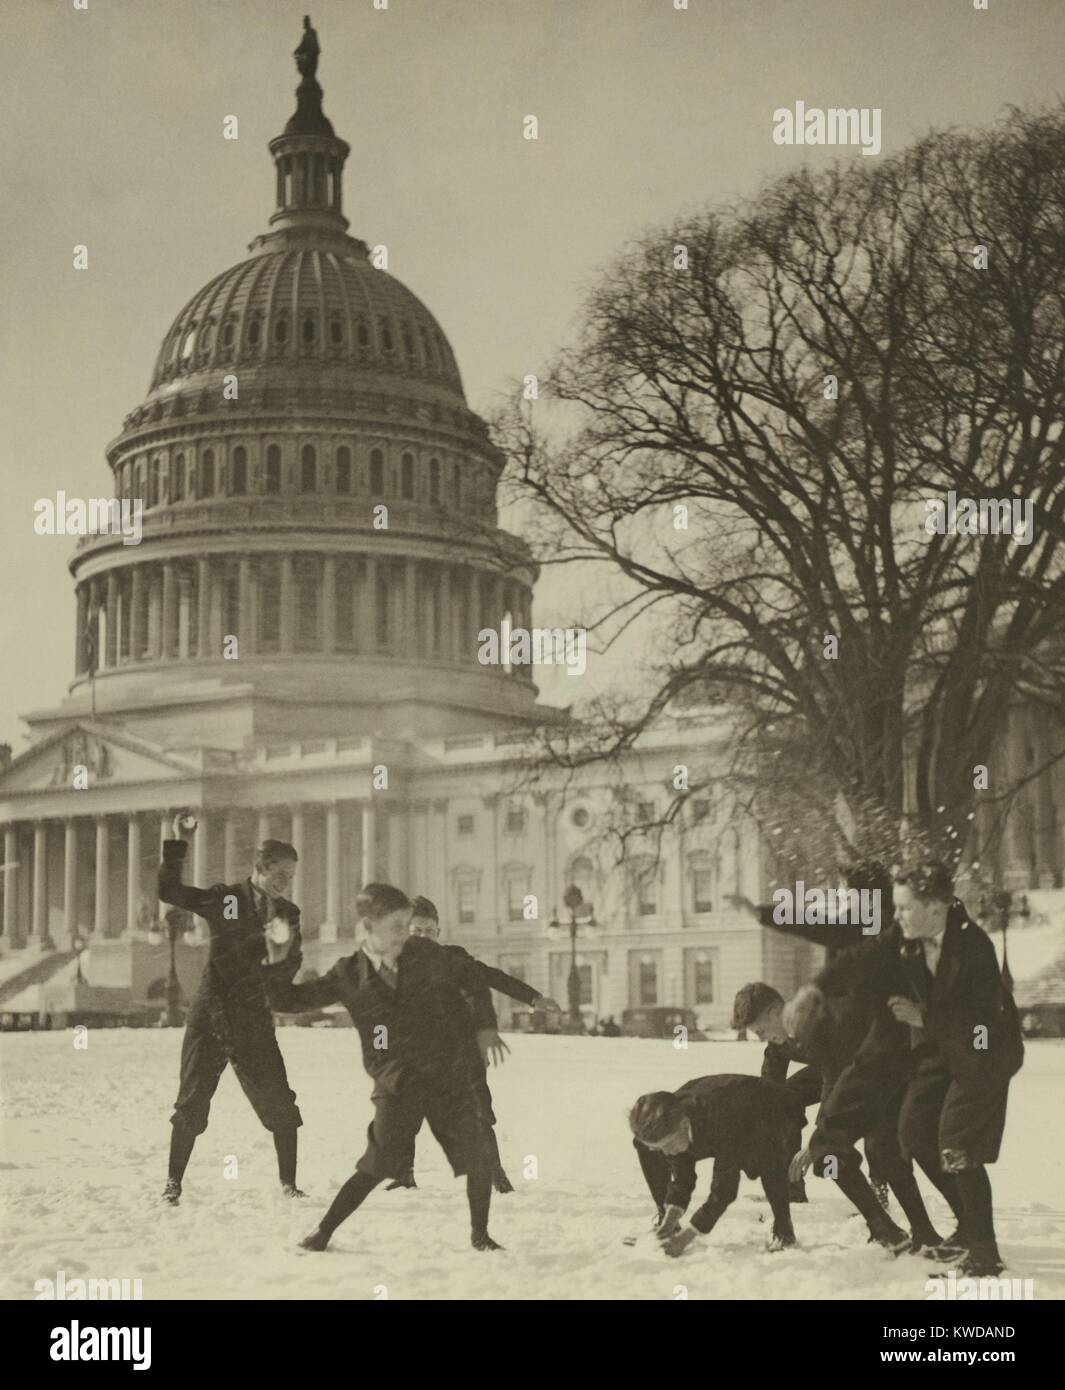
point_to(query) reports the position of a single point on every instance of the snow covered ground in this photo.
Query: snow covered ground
(83, 1138)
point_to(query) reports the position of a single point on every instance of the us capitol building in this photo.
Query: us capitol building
(291, 650)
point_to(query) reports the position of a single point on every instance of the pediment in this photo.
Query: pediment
(90, 755)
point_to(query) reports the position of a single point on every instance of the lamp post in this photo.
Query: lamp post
(996, 904)
(574, 900)
(78, 944)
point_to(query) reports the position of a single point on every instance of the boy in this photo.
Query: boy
(425, 922)
(855, 1103)
(743, 1123)
(230, 1020)
(411, 1003)
(940, 977)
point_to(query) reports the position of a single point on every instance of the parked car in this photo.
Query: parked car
(660, 1021)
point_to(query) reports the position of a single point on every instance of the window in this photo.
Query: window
(647, 980)
(584, 975)
(703, 979)
(344, 630)
(238, 475)
(178, 488)
(362, 334)
(515, 821)
(434, 482)
(153, 483)
(281, 331)
(309, 330)
(582, 876)
(343, 469)
(272, 478)
(336, 332)
(646, 882)
(517, 885)
(188, 345)
(127, 479)
(305, 581)
(465, 825)
(386, 335)
(377, 472)
(308, 469)
(407, 478)
(228, 333)
(703, 890)
(269, 606)
(255, 330)
(467, 904)
(408, 343)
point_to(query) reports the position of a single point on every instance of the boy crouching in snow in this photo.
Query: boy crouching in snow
(743, 1123)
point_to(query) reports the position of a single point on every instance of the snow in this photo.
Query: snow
(83, 1142)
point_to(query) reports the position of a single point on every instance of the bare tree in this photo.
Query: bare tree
(759, 406)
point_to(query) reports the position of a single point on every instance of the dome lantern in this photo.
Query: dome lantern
(308, 156)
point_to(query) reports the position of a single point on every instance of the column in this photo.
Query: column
(298, 839)
(287, 604)
(40, 883)
(327, 607)
(368, 851)
(473, 615)
(332, 873)
(165, 832)
(185, 639)
(203, 609)
(248, 616)
(111, 638)
(136, 613)
(70, 879)
(133, 872)
(368, 608)
(495, 599)
(81, 653)
(229, 871)
(447, 615)
(411, 643)
(102, 911)
(217, 605)
(169, 634)
(11, 883)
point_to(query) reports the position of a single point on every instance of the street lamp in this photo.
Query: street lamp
(79, 944)
(175, 925)
(574, 900)
(996, 904)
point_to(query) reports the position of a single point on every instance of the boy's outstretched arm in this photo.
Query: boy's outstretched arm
(286, 997)
(173, 891)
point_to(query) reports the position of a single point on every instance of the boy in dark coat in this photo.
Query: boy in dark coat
(412, 1005)
(940, 977)
(855, 1101)
(744, 1123)
(230, 1021)
(425, 922)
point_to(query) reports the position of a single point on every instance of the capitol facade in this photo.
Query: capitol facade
(291, 651)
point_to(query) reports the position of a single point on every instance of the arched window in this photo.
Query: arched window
(336, 332)
(281, 331)
(343, 469)
(255, 329)
(309, 330)
(377, 472)
(188, 344)
(154, 488)
(228, 333)
(362, 334)
(434, 482)
(386, 335)
(207, 473)
(308, 469)
(272, 476)
(238, 479)
(407, 477)
(456, 490)
(408, 343)
(177, 490)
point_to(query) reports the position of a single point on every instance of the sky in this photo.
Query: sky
(113, 139)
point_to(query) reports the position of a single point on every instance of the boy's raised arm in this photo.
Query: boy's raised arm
(173, 891)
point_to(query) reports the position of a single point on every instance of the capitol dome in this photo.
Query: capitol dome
(320, 530)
